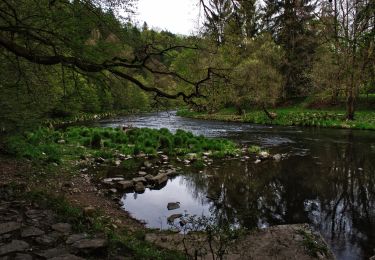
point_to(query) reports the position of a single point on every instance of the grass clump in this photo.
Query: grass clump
(58, 145)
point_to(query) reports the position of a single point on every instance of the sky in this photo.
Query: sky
(176, 16)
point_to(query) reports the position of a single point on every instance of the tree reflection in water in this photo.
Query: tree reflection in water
(332, 187)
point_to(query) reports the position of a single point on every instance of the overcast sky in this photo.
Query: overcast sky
(176, 16)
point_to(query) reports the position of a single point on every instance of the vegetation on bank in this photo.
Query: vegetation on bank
(291, 117)
(49, 145)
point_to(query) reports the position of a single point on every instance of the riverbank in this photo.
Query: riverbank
(55, 215)
(57, 170)
(295, 116)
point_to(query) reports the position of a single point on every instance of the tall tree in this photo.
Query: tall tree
(291, 23)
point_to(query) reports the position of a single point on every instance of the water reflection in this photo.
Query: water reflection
(327, 180)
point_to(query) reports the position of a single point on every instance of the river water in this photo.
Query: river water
(327, 180)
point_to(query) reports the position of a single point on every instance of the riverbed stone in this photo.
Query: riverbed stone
(140, 179)
(277, 157)
(31, 232)
(142, 173)
(64, 228)
(264, 155)
(160, 178)
(171, 172)
(14, 246)
(173, 217)
(125, 184)
(147, 164)
(173, 205)
(9, 227)
(139, 187)
(149, 177)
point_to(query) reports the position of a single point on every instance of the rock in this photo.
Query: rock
(186, 162)
(31, 232)
(140, 179)
(74, 238)
(173, 205)
(139, 187)
(125, 185)
(64, 228)
(121, 156)
(110, 180)
(172, 218)
(95, 243)
(117, 162)
(257, 161)
(160, 178)
(149, 177)
(53, 252)
(264, 155)
(147, 164)
(99, 160)
(113, 190)
(9, 227)
(171, 172)
(46, 240)
(61, 141)
(142, 173)
(277, 157)
(89, 211)
(14, 246)
(67, 257)
(20, 256)
(164, 157)
(191, 156)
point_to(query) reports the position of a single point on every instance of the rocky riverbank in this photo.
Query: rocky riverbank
(30, 230)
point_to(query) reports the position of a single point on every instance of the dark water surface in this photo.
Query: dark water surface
(328, 180)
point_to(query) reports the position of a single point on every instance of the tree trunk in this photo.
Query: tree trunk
(350, 106)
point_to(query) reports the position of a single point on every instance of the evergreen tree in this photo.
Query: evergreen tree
(291, 23)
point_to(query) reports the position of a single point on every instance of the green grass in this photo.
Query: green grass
(58, 146)
(293, 116)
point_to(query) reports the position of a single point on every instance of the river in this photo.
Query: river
(327, 180)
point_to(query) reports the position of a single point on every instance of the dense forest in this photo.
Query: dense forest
(61, 58)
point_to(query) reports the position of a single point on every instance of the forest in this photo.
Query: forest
(64, 58)
(256, 129)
